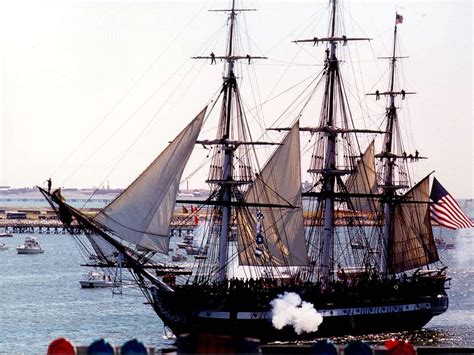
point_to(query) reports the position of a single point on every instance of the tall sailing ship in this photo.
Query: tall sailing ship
(362, 253)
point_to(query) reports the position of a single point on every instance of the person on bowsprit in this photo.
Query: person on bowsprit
(213, 58)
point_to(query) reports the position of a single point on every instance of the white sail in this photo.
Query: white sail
(141, 214)
(102, 248)
(412, 243)
(279, 183)
(364, 181)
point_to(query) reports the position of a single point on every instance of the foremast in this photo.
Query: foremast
(222, 172)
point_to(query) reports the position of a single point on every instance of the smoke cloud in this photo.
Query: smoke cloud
(288, 309)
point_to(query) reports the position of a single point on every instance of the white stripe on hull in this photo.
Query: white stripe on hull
(336, 312)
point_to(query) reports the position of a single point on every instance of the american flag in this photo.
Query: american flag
(398, 19)
(445, 210)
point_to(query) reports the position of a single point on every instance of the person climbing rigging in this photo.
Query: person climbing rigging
(213, 58)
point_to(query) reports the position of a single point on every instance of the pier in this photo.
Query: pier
(35, 227)
(56, 227)
(44, 221)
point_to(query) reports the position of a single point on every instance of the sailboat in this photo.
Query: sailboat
(365, 260)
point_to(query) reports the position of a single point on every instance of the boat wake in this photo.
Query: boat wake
(421, 337)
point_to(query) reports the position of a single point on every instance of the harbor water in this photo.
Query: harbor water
(41, 300)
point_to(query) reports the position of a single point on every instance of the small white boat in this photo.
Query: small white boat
(3, 247)
(95, 279)
(188, 237)
(183, 245)
(194, 250)
(179, 257)
(443, 244)
(6, 235)
(30, 246)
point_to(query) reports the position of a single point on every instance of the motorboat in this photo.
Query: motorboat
(183, 245)
(30, 246)
(96, 279)
(179, 257)
(443, 244)
(6, 235)
(188, 237)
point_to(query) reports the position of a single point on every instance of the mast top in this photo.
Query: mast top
(232, 10)
(342, 39)
(230, 57)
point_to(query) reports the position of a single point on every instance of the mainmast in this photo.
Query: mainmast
(330, 158)
(229, 86)
(330, 171)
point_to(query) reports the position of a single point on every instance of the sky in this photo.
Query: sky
(92, 91)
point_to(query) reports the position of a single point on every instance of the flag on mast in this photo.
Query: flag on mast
(398, 19)
(445, 210)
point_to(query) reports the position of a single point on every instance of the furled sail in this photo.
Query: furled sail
(412, 243)
(364, 181)
(279, 183)
(141, 214)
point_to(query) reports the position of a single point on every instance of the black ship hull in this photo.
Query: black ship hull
(193, 310)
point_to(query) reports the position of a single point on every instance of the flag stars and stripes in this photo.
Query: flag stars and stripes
(445, 210)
